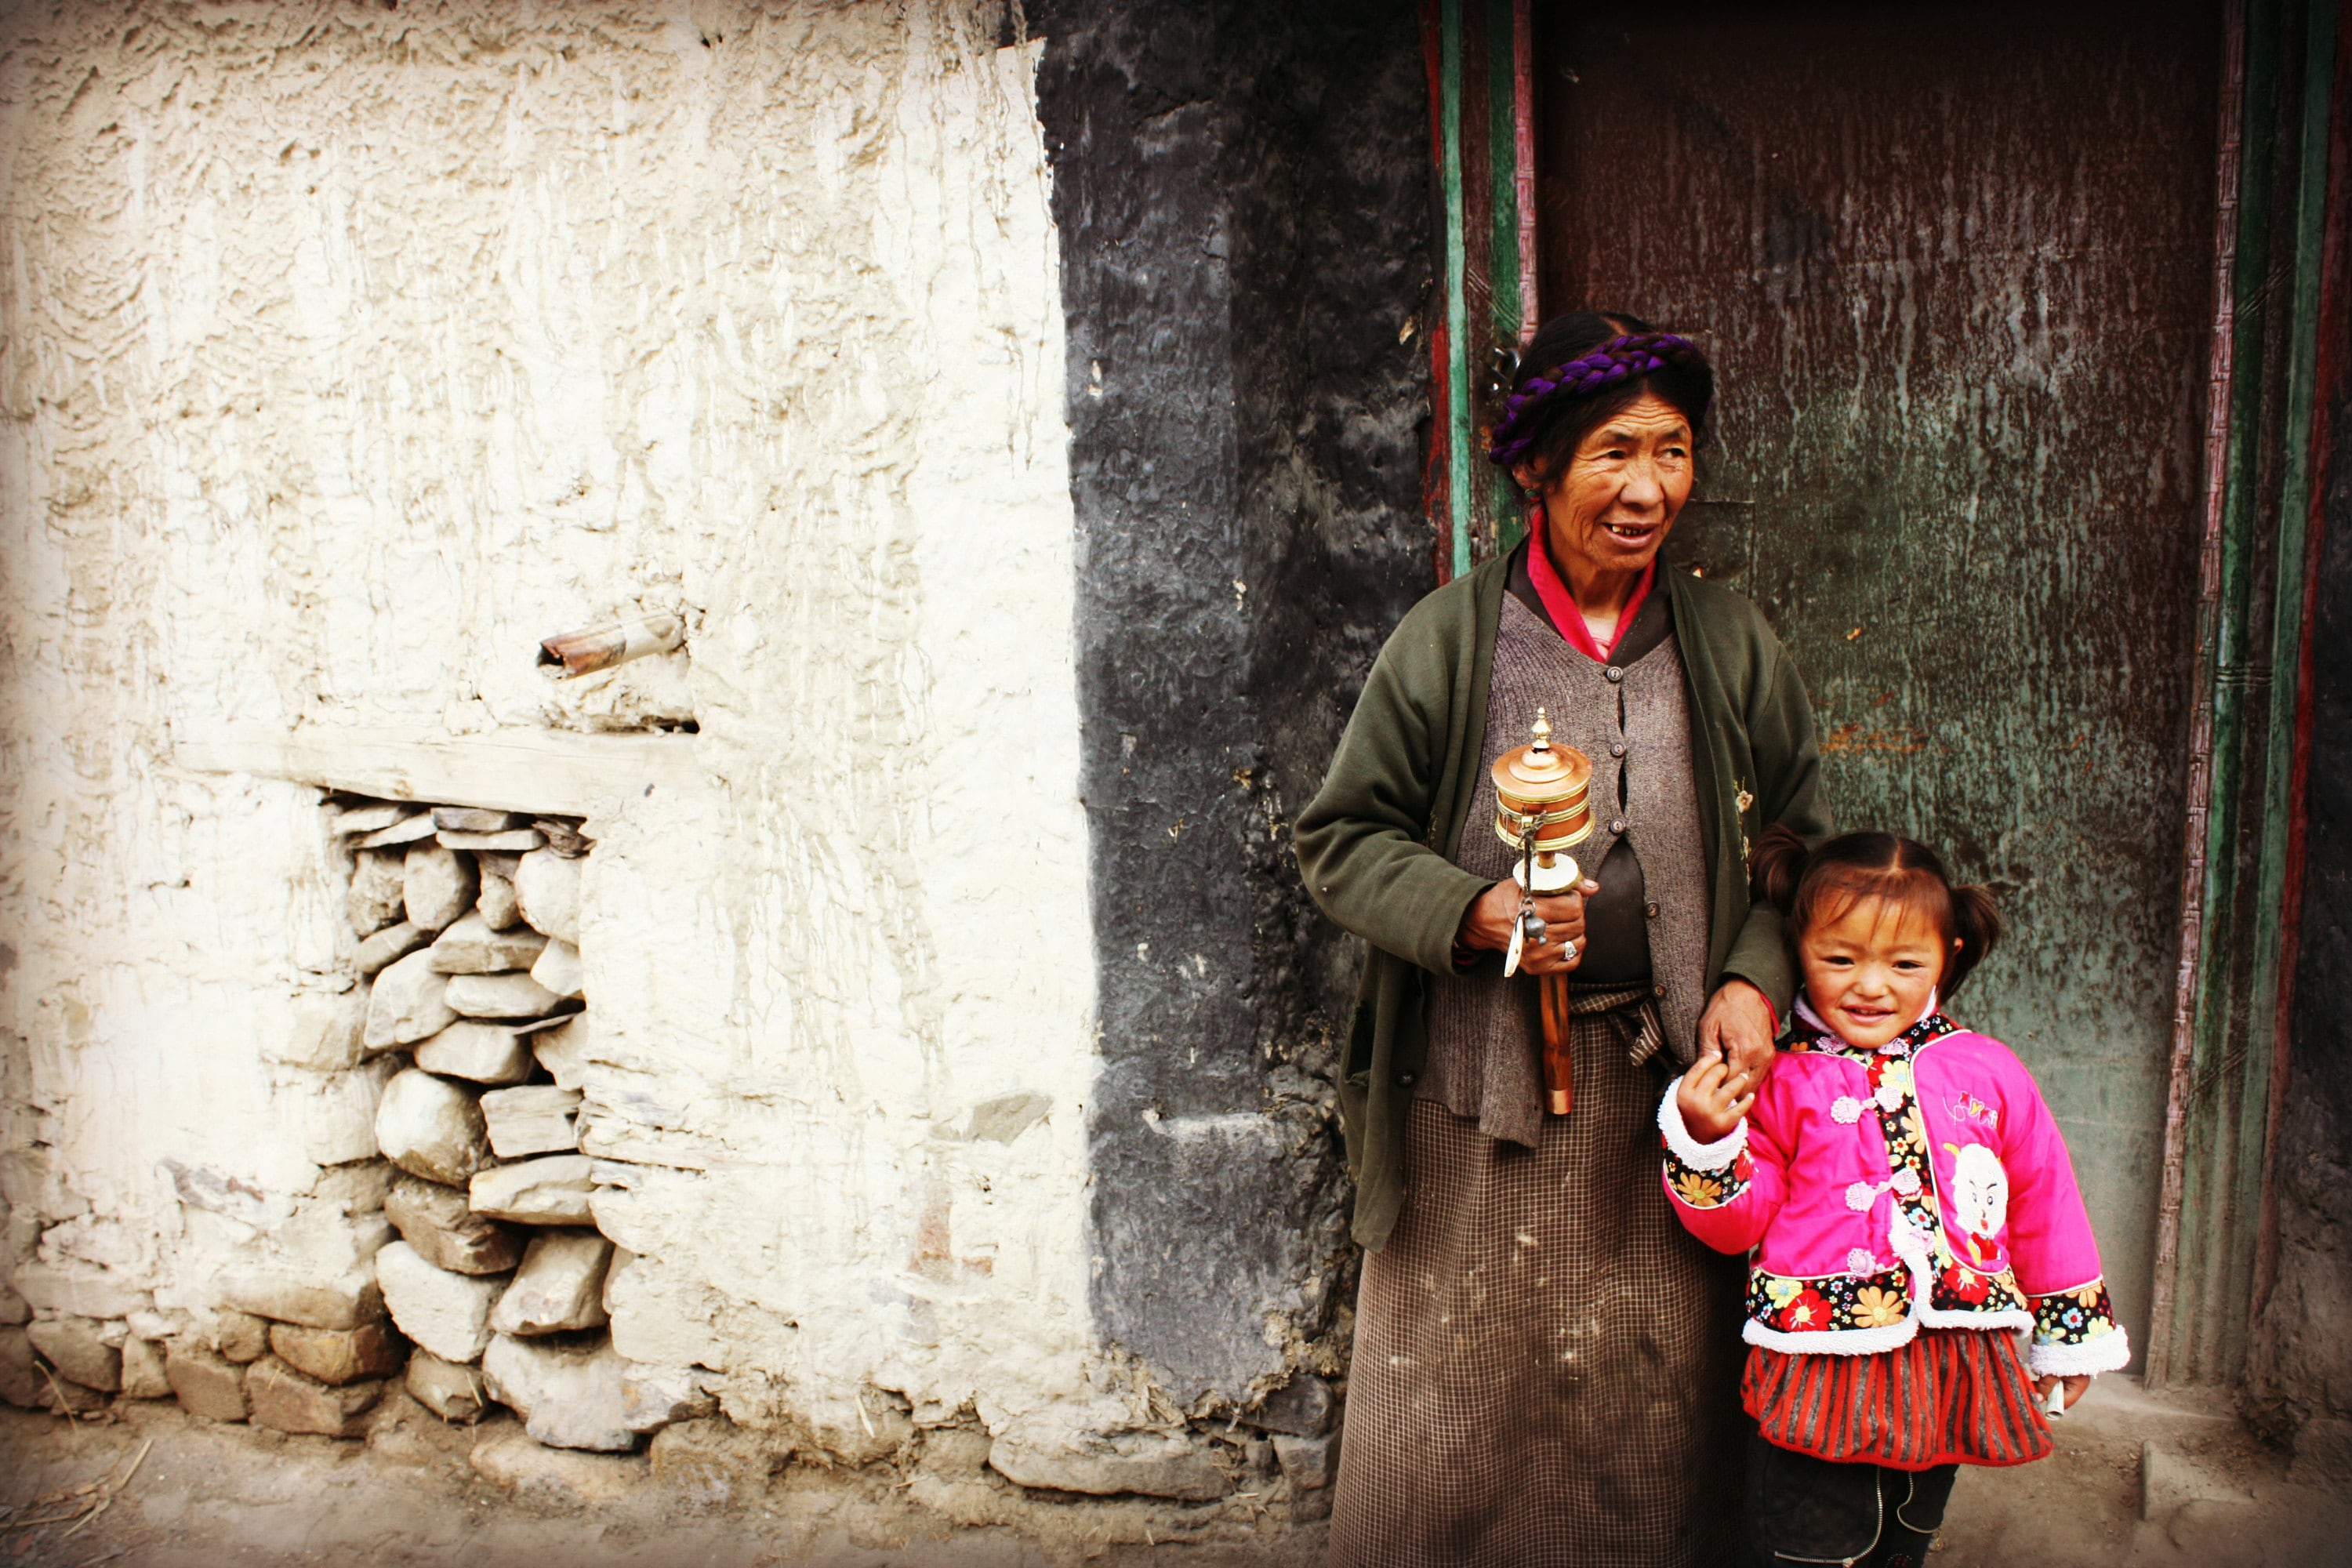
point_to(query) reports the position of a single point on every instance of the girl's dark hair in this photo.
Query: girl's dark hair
(1546, 434)
(1820, 884)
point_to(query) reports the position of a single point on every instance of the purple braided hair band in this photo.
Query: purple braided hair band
(1605, 366)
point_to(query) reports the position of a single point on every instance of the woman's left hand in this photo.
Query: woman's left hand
(1737, 1025)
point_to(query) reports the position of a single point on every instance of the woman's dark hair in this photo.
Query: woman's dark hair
(1547, 433)
(1820, 884)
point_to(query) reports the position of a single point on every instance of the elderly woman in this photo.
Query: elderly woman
(1546, 1364)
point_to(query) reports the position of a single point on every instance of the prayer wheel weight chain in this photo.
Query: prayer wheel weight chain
(1542, 810)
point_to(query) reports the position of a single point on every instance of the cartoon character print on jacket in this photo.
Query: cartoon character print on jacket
(1979, 1198)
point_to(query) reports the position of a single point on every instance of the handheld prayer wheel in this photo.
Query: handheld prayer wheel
(1542, 809)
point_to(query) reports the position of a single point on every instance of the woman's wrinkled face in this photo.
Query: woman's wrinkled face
(1870, 970)
(1612, 503)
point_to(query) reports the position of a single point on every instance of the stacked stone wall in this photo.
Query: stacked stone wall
(352, 354)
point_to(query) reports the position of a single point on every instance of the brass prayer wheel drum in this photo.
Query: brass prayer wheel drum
(1544, 789)
(1542, 809)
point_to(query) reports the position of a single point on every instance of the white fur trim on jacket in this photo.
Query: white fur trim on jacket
(2108, 1352)
(1971, 1318)
(1833, 1341)
(1699, 1156)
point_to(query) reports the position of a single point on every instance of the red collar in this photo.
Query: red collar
(1560, 604)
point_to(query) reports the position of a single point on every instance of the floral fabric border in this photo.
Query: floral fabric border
(1704, 1189)
(1830, 1303)
(2075, 1331)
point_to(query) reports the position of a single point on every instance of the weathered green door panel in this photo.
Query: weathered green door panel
(1955, 266)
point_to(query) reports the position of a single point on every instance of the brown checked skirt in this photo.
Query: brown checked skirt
(1547, 1365)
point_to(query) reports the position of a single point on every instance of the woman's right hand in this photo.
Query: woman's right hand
(1714, 1098)
(1488, 921)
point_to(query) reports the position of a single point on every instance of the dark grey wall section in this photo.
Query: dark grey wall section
(2299, 1372)
(1242, 194)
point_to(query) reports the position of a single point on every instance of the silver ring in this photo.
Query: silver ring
(1567, 947)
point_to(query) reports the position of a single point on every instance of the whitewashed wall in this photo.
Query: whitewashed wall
(349, 352)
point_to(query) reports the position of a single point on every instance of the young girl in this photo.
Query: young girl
(1910, 1207)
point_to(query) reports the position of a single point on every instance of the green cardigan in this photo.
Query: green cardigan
(1376, 843)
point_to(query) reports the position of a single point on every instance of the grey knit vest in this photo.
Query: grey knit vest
(1484, 1033)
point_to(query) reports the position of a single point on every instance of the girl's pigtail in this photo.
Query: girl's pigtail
(1976, 921)
(1776, 865)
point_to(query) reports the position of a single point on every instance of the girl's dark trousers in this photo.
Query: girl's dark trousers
(1804, 1511)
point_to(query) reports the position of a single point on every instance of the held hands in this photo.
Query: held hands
(1487, 925)
(1738, 1027)
(1735, 1055)
(1713, 1097)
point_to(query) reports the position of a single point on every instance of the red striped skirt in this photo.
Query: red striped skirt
(1950, 1396)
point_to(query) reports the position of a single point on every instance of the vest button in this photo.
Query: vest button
(1659, 992)
(1614, 674)
(1650, 909)
(1616, 748)
(1616, 825)
(1404, 1080)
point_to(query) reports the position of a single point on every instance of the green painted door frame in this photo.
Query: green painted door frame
(1484, 175)
(2228, 1033)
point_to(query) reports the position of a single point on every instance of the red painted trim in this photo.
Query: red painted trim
(2330, 368)
(1523, 155)
(1559, 603)
(1436, 500)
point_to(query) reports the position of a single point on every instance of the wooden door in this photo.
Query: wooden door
(1954, 265)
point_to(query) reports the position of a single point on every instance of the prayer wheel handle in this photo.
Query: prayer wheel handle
(1543, 809)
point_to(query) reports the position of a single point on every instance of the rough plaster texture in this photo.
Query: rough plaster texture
(1242, 193)
(351, 351)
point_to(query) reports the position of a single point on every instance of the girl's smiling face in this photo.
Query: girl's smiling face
(1870, 970)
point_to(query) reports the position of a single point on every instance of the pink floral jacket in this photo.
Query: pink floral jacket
(1924, 1183)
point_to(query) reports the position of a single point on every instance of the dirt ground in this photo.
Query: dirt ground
(176, 1491)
